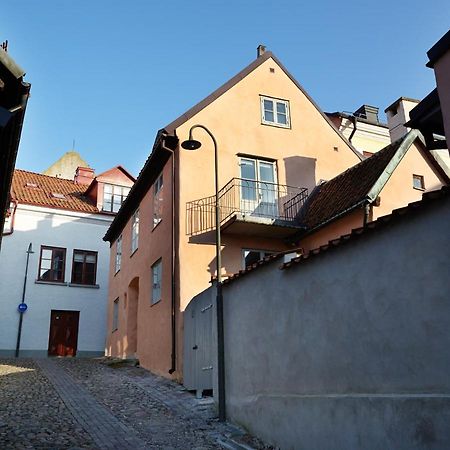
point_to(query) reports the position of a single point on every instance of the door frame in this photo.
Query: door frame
(54, 312)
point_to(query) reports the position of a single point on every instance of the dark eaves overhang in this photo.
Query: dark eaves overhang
(427, 118)
(14, 93)
(151, 170)
(435, 53)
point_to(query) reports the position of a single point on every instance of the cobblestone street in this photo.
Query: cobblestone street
(85, 403)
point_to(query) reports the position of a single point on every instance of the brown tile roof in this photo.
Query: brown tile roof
(346, 191)
(381, 222)
(42, 190)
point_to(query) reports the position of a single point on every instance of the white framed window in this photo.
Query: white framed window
(156, 281)
(135, 231)
(250, 256)
(118, 253)
(113, 197)
(275, 111)
(115, 320)
(158, 200)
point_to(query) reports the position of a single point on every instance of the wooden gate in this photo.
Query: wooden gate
(63, 336)
(198, 342)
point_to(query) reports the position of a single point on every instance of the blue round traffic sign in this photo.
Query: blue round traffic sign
(22, 307)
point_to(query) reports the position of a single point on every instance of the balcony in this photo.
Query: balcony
(248, 207)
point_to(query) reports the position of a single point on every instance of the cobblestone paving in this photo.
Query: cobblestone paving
(82, 403)
(32, 415)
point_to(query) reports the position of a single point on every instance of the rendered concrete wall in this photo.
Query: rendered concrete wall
(59, 228)
(325, 355)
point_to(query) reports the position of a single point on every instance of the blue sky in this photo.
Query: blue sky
(110, 73)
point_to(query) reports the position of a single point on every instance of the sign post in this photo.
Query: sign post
(23, 306)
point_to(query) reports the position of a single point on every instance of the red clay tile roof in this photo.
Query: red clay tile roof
(46, 192)
(346, 191)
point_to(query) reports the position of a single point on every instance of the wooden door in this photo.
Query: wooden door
(63, 336)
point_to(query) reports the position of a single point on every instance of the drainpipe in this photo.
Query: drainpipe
(354, 120)
(13, 215)
(366, 213)
(173, 300)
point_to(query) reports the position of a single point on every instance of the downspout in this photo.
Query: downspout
(354, 120)
(173, 299)
(366, 213)
(13, 215)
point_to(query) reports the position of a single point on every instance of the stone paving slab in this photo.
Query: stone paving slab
(106, 430)
(32, 414)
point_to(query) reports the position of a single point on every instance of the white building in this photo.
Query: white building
(67, 282)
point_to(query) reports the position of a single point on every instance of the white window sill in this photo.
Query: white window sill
(54, 283)
(89, 286)
(277, 125)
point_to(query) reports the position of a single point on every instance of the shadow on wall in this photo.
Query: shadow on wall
(300, 172)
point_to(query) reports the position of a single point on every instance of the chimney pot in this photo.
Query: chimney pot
(260, 50)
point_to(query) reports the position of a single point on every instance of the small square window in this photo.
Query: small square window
(418, 182)
(275, 112)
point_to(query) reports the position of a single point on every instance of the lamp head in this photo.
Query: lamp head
(191, 144)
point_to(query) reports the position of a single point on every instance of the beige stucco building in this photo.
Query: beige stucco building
(275, 146)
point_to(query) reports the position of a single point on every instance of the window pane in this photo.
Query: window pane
(45, 274)
(46, 264)
(281, 108)
(116, 207)
(108, 189)
(251, 256)
(90, 258)
(78, 257)
(268, 116)
(282, 118)
(77, 276)
(107, 206)
(46, 253)
(248, 169)
(268, 106)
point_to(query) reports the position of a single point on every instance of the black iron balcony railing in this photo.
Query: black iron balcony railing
(247, 198)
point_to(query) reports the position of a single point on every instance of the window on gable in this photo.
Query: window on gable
(156, 281)
(158, 200)
(418, 182)
(84, 267)
(250, 256)
(275, 112)
(135, 231)
(113, 197)
(115, 321)
(52, 264)
(118, 253)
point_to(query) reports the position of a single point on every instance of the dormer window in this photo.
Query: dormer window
(113, 197)
(275, 112)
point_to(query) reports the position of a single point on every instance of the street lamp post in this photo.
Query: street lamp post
(192, 144)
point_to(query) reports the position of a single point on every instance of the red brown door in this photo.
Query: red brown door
(63, 338)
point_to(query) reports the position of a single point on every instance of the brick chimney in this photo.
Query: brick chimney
(397, 115)
(84, 175)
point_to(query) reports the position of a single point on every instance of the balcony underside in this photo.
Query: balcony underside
(265, 227)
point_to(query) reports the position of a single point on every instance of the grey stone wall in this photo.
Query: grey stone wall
(349, 350)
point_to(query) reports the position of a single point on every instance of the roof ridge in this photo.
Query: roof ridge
(44, 175)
